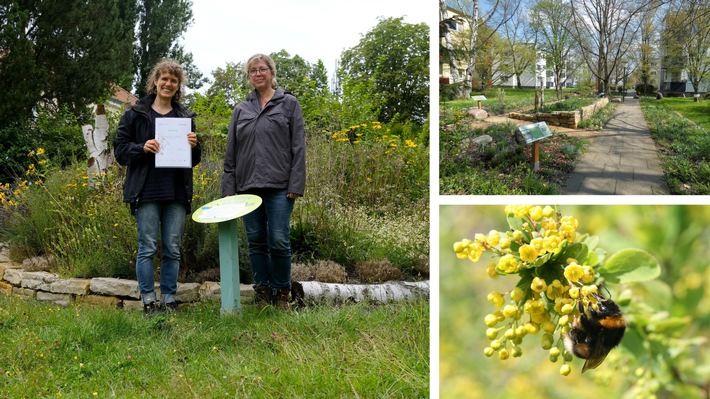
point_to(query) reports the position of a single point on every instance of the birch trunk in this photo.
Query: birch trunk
(383, 293)
(96, 138)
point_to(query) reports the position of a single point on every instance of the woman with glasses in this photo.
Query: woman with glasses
(266, 156)
(159, 197)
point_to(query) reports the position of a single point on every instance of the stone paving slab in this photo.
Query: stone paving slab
(621, 160)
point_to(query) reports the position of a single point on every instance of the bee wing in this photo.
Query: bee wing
(594, 361)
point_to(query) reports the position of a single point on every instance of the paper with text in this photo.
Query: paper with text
(175, 150)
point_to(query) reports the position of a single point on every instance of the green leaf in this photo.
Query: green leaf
(630, 265)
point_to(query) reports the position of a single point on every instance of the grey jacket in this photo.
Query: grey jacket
(265, 148)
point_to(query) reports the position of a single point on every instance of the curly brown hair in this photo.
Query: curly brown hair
(166, 66)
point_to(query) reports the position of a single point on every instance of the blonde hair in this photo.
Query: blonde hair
(166, 66)
(269, 62)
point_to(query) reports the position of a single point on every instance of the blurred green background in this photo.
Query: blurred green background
(677, 236)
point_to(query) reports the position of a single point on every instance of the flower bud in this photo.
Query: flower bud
(488, 351)
(517, 294)
(564, 320)
(492, 333)
(546, 341)
(503, 354)
(510, 311)
(565, 369)
(490, 320)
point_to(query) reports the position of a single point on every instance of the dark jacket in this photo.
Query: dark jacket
(134, 129)
(265, 148)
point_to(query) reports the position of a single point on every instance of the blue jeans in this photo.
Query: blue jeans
(169, 218)
(268, 232)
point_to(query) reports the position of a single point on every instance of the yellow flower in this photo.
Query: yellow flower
(508, 264)
(538, 285)
(493, 238)
(535, 212)
(548, 211)
(574, 272)
(496, 298)
(40, 151)
(528, 253)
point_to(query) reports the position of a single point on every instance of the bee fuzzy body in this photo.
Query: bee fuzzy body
(595, 332)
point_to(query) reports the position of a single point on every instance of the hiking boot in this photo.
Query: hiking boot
(151, 309)
(262, 296)
(282, 298)
(171, 307)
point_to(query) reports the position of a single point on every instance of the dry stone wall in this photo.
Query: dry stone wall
(566, 119)
(114, 292)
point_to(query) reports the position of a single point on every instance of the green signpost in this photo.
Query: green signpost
(225, 212)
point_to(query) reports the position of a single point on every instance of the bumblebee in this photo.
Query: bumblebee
(595, 332)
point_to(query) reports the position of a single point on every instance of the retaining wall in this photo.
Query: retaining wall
(120, 293)
(566, 119)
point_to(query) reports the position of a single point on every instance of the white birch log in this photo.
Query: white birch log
(383, 293)
(96, 138)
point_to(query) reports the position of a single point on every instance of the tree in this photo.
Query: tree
(60, 54)
(447, 51)
(392, 60)
(292, 73)
(499, 11)
(160, 24)
(521, 43)
(688, 27)
(549, 18)
(231, 83)
(606, 30)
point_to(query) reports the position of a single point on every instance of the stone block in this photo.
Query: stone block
(6, 288)
(38, 280)
(115, 287)
(59, 299)
(188, 292)
(13, 276)
(24, 292)
(77, 286)
(210, 291)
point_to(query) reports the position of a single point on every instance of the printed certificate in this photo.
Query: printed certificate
(175, 151)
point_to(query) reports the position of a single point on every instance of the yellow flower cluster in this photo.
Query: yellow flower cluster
(551, 285)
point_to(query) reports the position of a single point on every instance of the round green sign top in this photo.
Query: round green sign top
(226, 208)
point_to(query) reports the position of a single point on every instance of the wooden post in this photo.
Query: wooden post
(229, 266)
(480, 104)
(536, 156)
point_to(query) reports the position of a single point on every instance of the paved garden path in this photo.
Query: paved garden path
(621, 160)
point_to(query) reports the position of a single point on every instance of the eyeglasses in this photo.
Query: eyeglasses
(261, 71)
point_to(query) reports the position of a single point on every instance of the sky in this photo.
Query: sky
(231, 31)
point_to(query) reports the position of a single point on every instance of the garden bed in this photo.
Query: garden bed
(566, 119)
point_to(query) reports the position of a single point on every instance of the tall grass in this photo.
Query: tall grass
(351, 351)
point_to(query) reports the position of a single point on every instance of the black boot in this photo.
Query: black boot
(282, 298)
(263, 296)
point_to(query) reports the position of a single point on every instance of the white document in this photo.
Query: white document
(175, 150)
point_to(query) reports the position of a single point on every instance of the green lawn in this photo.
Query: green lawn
(333, 351)
(698, 112)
